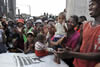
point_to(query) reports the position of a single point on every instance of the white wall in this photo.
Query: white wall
(78, 7)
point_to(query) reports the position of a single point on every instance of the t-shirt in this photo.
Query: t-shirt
(40, 49)
(60, 29)
(90, 44)
(40, 46)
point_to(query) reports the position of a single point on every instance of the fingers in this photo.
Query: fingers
(67, 48)
(61, 50)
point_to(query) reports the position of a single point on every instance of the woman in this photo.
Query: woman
(72, 38)
(29, 45)
(19, 42)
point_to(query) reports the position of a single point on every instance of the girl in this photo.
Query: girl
(61, 30)
(29, 45)
(40, 48)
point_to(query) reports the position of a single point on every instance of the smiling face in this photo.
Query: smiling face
(94, 8)
(72, 22)
(30, 38)
(20, 24)
(61, 17)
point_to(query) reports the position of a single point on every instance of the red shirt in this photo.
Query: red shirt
(90, 43)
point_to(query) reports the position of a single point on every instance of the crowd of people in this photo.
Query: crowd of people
(76, 41)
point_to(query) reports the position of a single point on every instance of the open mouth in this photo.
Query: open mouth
(90, 12)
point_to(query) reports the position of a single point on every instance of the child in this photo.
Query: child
(29, 45)
(40, 48)
(61, 29)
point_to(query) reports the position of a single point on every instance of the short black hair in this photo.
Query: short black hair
(75, 17)
(97, 1)
(30, 34)
(83, 17)
(40, 37)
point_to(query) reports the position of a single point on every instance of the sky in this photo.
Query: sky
(38, 7)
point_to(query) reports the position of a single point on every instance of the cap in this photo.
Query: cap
(20, 21)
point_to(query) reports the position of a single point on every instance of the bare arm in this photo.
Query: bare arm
(26, 49)
(58, 42)
(86, 56)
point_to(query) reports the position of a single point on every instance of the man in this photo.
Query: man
(89, 54)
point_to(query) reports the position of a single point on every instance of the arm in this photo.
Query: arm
(86, 56)
(58, 42)
(65, 27)
(65, 53)
(26, 50)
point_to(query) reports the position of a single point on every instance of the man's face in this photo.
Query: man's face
(71, 23)
(94, 9)
(29, 24)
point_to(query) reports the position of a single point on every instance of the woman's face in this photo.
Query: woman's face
(29, 24)
(30, 38)
(20, 24)
(71, 23)
(46, 30)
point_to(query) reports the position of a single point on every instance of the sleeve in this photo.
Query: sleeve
(39, 46)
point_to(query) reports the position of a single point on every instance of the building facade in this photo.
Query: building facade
(78, 7)
(8, 8)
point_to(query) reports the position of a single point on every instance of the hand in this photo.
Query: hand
(64, 53)
(31, 46)
(61, 50)
(55, 52)
(68, 48)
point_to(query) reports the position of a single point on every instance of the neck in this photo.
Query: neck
(97, 20)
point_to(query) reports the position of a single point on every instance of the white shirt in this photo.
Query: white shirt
(60, 29)
(40, 46)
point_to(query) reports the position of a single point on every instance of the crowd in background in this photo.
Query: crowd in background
(42, 37)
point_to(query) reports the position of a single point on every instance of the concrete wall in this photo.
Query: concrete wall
(12, 9)
(1, 7)
(78, 7)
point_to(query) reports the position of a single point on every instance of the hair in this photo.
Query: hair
(83, 17)
(75, 17)
(97, 1)
(40, 37)
(30, 34)
(63, 15)
(29, 21)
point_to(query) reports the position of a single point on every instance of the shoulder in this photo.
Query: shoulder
(86, 24)
(37, 43)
